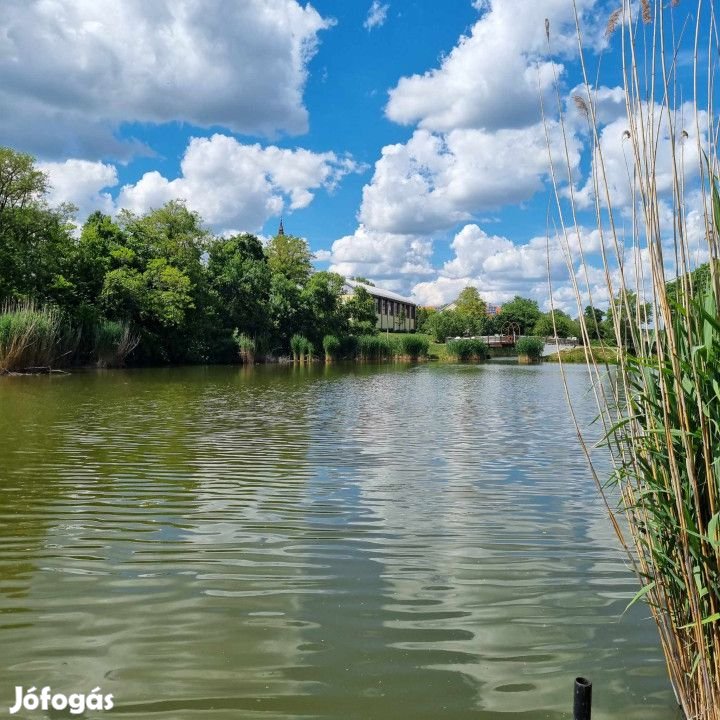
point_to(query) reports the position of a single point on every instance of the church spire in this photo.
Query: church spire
(281, 229)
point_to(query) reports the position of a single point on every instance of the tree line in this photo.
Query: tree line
(184, 294)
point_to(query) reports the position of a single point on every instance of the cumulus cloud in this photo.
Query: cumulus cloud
(229, 183)
(493, 76)
(501, 269)
(84, 66)
(395, 259)
(432, 182)
(81, 182)
(376, 15)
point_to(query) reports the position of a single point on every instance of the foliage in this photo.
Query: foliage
(520, 313)
(593, 318)
(556, 324)
(422, 316)
(289, 256)
(302, 349)
(470, 304)
(660, 407)
(442, 325)
(377, 347)
(468, 349)
(531, 346)
(360, 308)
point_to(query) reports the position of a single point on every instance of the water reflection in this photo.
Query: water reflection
(314, 542)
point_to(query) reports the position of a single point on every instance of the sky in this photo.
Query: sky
(403, 139)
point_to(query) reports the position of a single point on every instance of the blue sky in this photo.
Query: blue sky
(402, 138)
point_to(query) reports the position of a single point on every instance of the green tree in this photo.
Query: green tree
(422, 316)
(21, 183)
(630, 315)
(471, 304)
(564, 326)
(521, 312)
(593, 321)
(445, 324)
(361, 313)
(325, 312)
(289, 256)
(239, 279)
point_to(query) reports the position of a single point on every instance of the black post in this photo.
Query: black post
(583, 699)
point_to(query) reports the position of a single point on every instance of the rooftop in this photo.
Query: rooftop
(379, 292)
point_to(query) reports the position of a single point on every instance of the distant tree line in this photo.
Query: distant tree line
(185, 294)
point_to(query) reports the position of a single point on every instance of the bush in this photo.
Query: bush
(467, 349)
(302, 348)
(414, 346)
(113, 343)
(531, 346)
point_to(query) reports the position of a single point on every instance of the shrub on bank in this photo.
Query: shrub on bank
(332, 347)
(246, 347)
(531, 346)
(467, 349)
(414, 346)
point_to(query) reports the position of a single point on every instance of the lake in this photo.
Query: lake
(327, 542)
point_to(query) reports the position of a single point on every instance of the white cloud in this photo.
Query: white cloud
(434, 181)
(230, 184)
(377, 15)
(494, 75)
(396, 260)
(617, 152)
(501, 269)
(84, 66)
(81, 183)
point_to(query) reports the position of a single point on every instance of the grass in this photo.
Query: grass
(660, 408)
(246, 347)
(599, 355)
(532, 347)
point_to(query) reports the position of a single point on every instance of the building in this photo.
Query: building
(394, 312)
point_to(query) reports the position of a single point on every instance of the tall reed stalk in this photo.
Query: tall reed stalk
(661, 408)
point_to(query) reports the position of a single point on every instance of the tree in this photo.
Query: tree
(422, 316)
(470, 303)
(443, 325)
(239, 279)
(563, 325)
(361, 313)
(363, 280)
(522, 312)
(625, 316)
(593, 322)
(289, 256)
(325, 313)
(21, 183)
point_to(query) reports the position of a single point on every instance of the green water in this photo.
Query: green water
(362, 542)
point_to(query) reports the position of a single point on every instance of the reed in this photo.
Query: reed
(467, 349)
(332, 347)
(660, 408)
(376, 347)
(414, 347)
(302, 349)
(32, 337)
(114, 341)
(246, 347)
